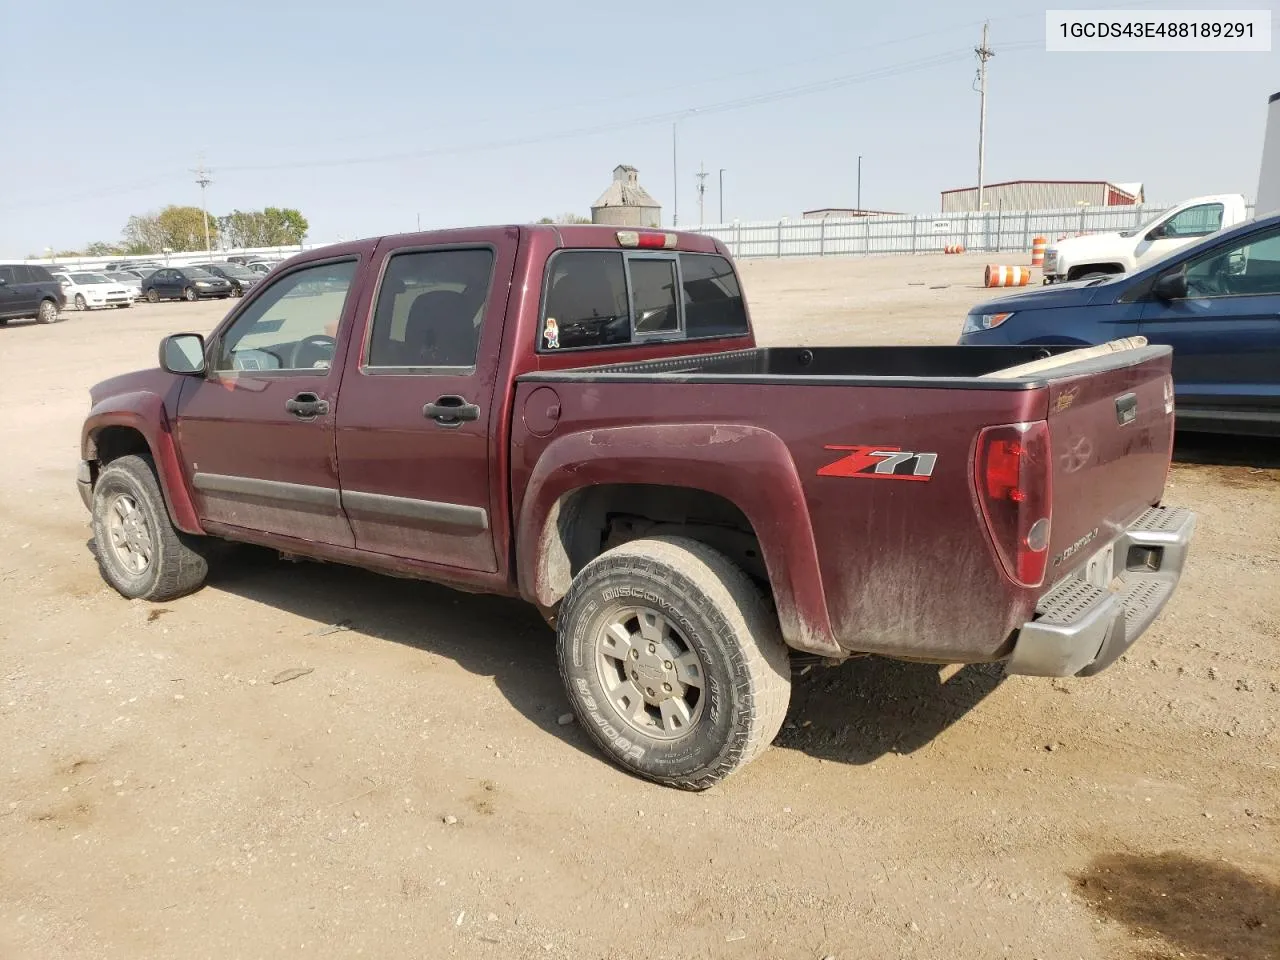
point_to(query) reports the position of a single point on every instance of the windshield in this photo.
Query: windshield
(89, 278)
(197, 272)
(123, 277)
(235, 270)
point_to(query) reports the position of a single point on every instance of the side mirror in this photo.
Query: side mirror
(183, 354)
(1158, 231)
(1171, 286)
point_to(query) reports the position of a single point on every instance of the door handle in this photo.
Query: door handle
(306, 406)
(451, 411)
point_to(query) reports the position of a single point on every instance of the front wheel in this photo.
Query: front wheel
(81, 303)
(139, 551)
(673, 661)
(189, 294)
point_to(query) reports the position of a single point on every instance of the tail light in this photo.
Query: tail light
(1015, 487)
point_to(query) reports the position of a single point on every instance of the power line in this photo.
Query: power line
(785, 93)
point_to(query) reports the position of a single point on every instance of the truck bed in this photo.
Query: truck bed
(943, 366)
(904, 569)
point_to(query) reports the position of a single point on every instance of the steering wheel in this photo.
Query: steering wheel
(319, 344)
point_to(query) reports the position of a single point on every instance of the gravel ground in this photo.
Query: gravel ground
(414, 795)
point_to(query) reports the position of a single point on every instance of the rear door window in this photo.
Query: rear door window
(40, 274)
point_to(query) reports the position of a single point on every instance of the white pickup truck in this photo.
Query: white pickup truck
(1103, 253)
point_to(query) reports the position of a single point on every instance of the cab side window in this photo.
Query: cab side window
(1247, 269)
(430, 308)
(1198, 221)
(292, 324)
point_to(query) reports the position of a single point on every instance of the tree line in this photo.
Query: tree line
(182, 230)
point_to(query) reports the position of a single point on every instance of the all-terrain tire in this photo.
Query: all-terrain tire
(719, 614)
(175, 566)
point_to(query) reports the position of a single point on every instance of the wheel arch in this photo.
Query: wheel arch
(137, 423)
(732, 487)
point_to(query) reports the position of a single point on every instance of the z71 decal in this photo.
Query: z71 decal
(880, 463)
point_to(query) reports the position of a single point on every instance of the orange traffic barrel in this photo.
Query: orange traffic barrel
(953, 248)
(1037, 251)
(999, 276)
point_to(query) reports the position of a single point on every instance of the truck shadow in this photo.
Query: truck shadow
(1199, 908)
(867, 708)
(1212, 449)
(853, 713)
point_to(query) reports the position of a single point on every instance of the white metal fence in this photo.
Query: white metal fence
(989, 232)
(176, 259)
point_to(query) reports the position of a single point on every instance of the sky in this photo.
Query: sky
(378, 116)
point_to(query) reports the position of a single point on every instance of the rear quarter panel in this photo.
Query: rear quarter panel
(897, 567)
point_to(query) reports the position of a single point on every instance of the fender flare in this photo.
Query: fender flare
(144, 412)
(747, 466)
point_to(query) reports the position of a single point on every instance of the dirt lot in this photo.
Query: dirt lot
(414, 796)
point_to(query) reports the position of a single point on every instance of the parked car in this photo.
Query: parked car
(1216, 303)
(116, 266)
(683, 516)
(28, 290)
(131, 281)
(89, 290)
(140, 273)
(240, 277)
(184, 283)
(1098, 254)
(262, 267)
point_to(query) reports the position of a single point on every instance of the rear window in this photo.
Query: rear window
(599, 298)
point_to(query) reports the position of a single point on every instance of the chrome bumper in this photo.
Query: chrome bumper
(1081, 628)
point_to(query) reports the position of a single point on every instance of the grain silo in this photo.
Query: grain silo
(626, 203)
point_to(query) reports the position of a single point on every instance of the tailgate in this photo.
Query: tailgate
(1111, 433)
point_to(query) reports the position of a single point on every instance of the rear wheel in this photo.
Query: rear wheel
(153, 295)
(81, 304)
(139, 552)
(48, 312)
(189, 294)
(673, 661)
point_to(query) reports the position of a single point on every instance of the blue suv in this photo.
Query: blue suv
(1217, 303)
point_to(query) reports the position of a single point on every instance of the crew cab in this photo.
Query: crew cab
(1097, 254)
(1217, 303)
(579, 416)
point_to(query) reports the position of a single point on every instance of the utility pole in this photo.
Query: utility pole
(702, 188)
(722, 194)
(984, 53)
(675, 179)
(203, 178)
(859, 185)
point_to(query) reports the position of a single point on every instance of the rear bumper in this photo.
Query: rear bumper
(1081, 628)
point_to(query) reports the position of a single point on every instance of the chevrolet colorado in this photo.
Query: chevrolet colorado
(579, 416)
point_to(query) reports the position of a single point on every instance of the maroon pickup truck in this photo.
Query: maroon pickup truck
(579, 416)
